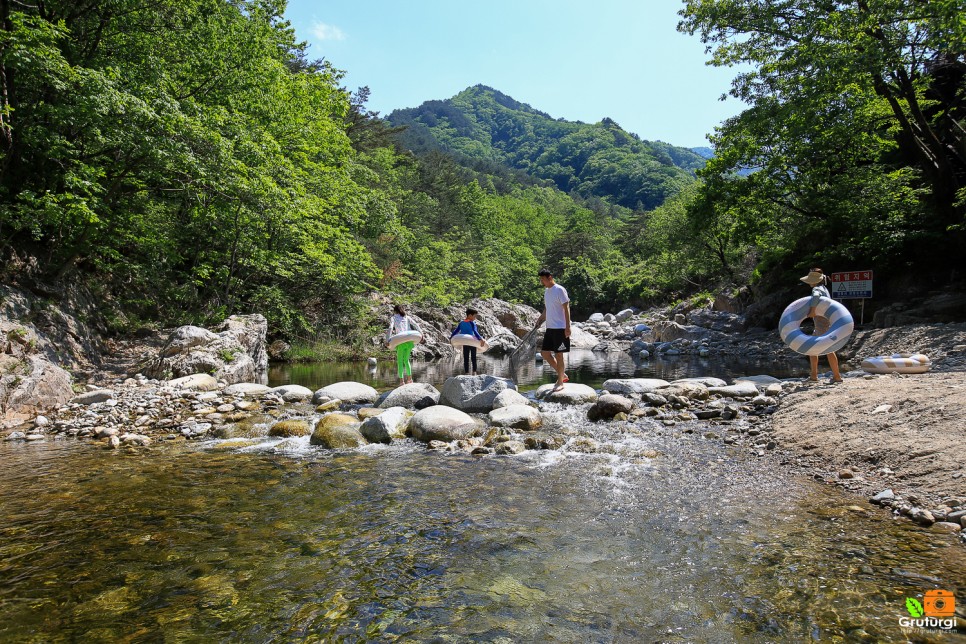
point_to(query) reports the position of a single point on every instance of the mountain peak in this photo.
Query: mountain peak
(599, 160)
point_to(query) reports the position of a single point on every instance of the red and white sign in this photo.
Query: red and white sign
(851, 285)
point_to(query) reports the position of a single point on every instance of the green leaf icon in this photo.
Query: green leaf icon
(914, 607)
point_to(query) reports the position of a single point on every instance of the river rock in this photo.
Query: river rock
(415, 395)
(760, 381)
(249, 331)
(596, 317)
(473, 394)
(441, 423)
(93, 397)
(135, 439)
(633, 385)
(338, 437)
(192, 349)
(690, 390)
(388, 425)
(365, 412)
(743, 389)
(608, 406)
(518, 416)
(195, 382)
(509, 397)
(510, 448)
(570, 394)
(251, 427)
(250, 389)
(293, 393)
(624, 315)
(707, 381)
(352, 393)
(337, 431)
(31, 383)
(290, 428)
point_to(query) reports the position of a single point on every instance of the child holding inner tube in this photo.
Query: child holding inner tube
(468, 327)
(818, 280)
(401, 323)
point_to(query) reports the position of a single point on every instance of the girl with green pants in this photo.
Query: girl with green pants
(401, 323)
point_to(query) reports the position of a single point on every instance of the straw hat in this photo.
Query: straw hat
(813, 278)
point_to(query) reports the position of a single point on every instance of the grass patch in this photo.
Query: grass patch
(326, 350)
(353, 344)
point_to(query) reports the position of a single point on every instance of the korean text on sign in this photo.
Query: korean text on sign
(851, 285)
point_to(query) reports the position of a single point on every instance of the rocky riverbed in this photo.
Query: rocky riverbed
(897, 439)
(887, 437)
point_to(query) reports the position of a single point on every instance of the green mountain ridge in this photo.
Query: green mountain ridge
(599, 160)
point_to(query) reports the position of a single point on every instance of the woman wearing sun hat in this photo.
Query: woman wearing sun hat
(818, 280)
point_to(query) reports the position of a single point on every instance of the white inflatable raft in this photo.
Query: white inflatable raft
(405, 336)
(897, 363)
(467, 340)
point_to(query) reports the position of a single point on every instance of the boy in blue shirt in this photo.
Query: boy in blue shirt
(468, 327)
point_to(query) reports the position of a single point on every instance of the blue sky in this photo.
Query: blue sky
(577, 60)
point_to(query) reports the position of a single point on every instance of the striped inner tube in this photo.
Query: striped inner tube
(840, 327)
(898, 363)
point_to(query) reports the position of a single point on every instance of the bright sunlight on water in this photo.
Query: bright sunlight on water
(660, 535)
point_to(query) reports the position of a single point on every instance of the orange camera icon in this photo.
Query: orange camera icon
(939, 603)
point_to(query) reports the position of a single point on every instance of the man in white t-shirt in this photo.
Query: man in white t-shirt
(556, 340)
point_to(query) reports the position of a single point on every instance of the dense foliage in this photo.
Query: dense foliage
(599, 160)
(853, 144)
(188, 160)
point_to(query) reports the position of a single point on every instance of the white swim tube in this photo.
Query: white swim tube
(405, 336)
(898, 363)
(467, 340)
(840, 327)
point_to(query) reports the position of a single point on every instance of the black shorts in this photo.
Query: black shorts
(554, 340)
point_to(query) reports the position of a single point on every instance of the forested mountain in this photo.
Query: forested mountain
(591, 160)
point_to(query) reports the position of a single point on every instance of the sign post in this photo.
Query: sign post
(852, 285)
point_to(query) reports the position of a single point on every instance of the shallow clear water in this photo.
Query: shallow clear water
(583, 366)
(660, 536)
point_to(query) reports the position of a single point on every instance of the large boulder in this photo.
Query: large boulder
(717, 320)
(502, 343)
(224, 355)
(743, 389)
(627, 386)
(290, 428)
(292, 393)
(387, 425)
(441, 423)
(248, 389)
(337, 431)
(690, 390)
(667, 331)
(415, 395)
(570, 394)
(522, 417)
(195, 382)
(608, 406)
(707, 381)
(29, 386)
(250, 332)
(353, 393)
(509, 397)
(760, 381)
(474, 394)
